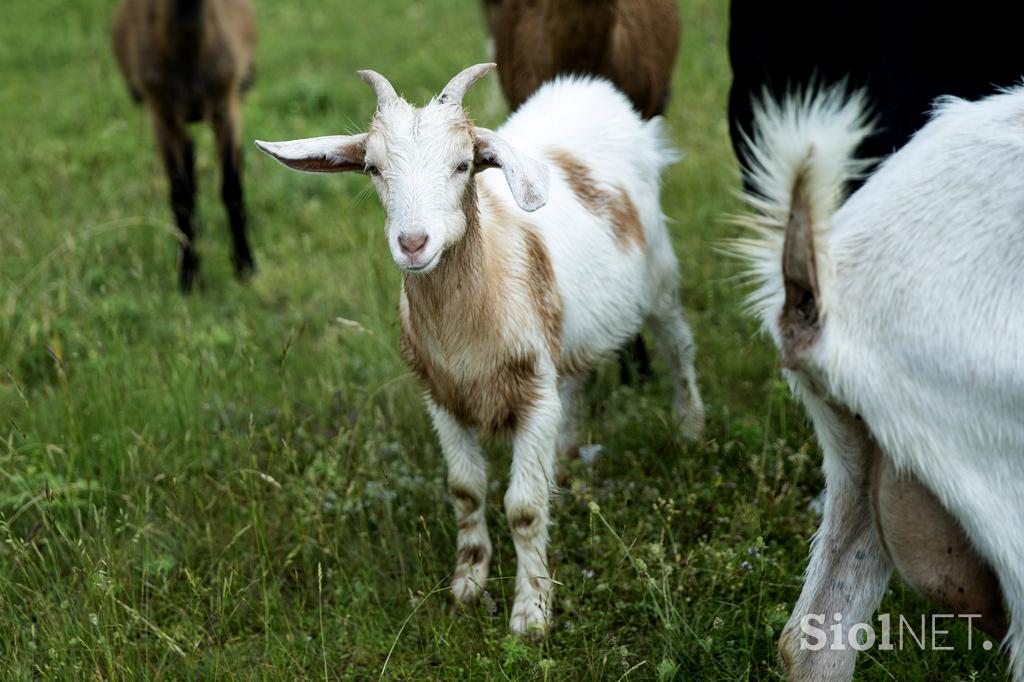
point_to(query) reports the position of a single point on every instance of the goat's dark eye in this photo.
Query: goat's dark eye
(462, 167)
(372, 170)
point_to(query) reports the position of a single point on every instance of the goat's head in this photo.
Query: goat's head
(422, 162)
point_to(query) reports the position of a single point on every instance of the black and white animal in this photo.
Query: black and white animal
(899, 320)
(186, 61)
(528, 254)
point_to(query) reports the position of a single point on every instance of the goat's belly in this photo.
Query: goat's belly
(604, 305)
(930, 550)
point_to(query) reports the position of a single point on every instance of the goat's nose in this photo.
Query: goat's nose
(412, 244)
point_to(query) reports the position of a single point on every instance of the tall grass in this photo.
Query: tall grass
(243, 484)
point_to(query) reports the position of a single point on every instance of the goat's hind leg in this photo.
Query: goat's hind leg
(226, 128)
(176, 150)
(570, 389)
(673, 337)
(467, 484)
(849, 568)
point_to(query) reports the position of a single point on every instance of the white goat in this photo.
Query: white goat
(504, 313)
(901, 326)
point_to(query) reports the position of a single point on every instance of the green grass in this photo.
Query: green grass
(241, 485)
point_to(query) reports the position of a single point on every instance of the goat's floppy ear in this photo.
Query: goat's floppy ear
(330, 154)
(527, 178)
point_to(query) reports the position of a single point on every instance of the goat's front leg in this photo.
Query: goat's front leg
(176, 149)
(467, 484)
(527, 507)
(849, 568)
(227, 129)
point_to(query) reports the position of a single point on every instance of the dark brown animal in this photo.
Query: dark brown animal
(187, 61)
(633, 43)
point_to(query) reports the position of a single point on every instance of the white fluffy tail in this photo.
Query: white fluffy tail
(804, 146)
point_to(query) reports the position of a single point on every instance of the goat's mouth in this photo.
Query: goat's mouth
(423, 267)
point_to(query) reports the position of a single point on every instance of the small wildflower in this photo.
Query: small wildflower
(588, 573)
(717, 623)
(747, 566)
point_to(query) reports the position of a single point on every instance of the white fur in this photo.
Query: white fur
(606, 293)
(813, 134)
(605, 288)
(923, 335)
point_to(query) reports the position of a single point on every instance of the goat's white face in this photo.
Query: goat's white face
(422, 162)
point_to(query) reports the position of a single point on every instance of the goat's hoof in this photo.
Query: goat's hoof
(529, 620)
(245, 268)
(467, 585)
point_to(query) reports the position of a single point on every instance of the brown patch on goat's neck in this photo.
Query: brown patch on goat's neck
(616, 207)
(458, 282)
(800, 321)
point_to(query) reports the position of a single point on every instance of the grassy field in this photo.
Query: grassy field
(244, 485)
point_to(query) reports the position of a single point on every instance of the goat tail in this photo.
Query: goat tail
(800, 161)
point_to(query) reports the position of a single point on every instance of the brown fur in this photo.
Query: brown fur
(464, 498)
(930, 551)
(614, 206)
(543, 292)
(625, 221)
(800, 322)
(457, 321)
(189, 60)
(471, 555)
(522, 521)
(633, 43)
(184, 57)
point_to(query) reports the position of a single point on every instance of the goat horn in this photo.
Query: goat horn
(381, 86)
(456, 88)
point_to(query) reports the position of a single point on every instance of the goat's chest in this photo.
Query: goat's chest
(480, 379)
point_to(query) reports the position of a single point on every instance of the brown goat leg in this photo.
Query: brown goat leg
(226, 129)
(176, 149)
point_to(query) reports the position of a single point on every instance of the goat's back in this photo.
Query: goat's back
(596, 123)
(602, 226)
(634, 44)
(927, 335)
